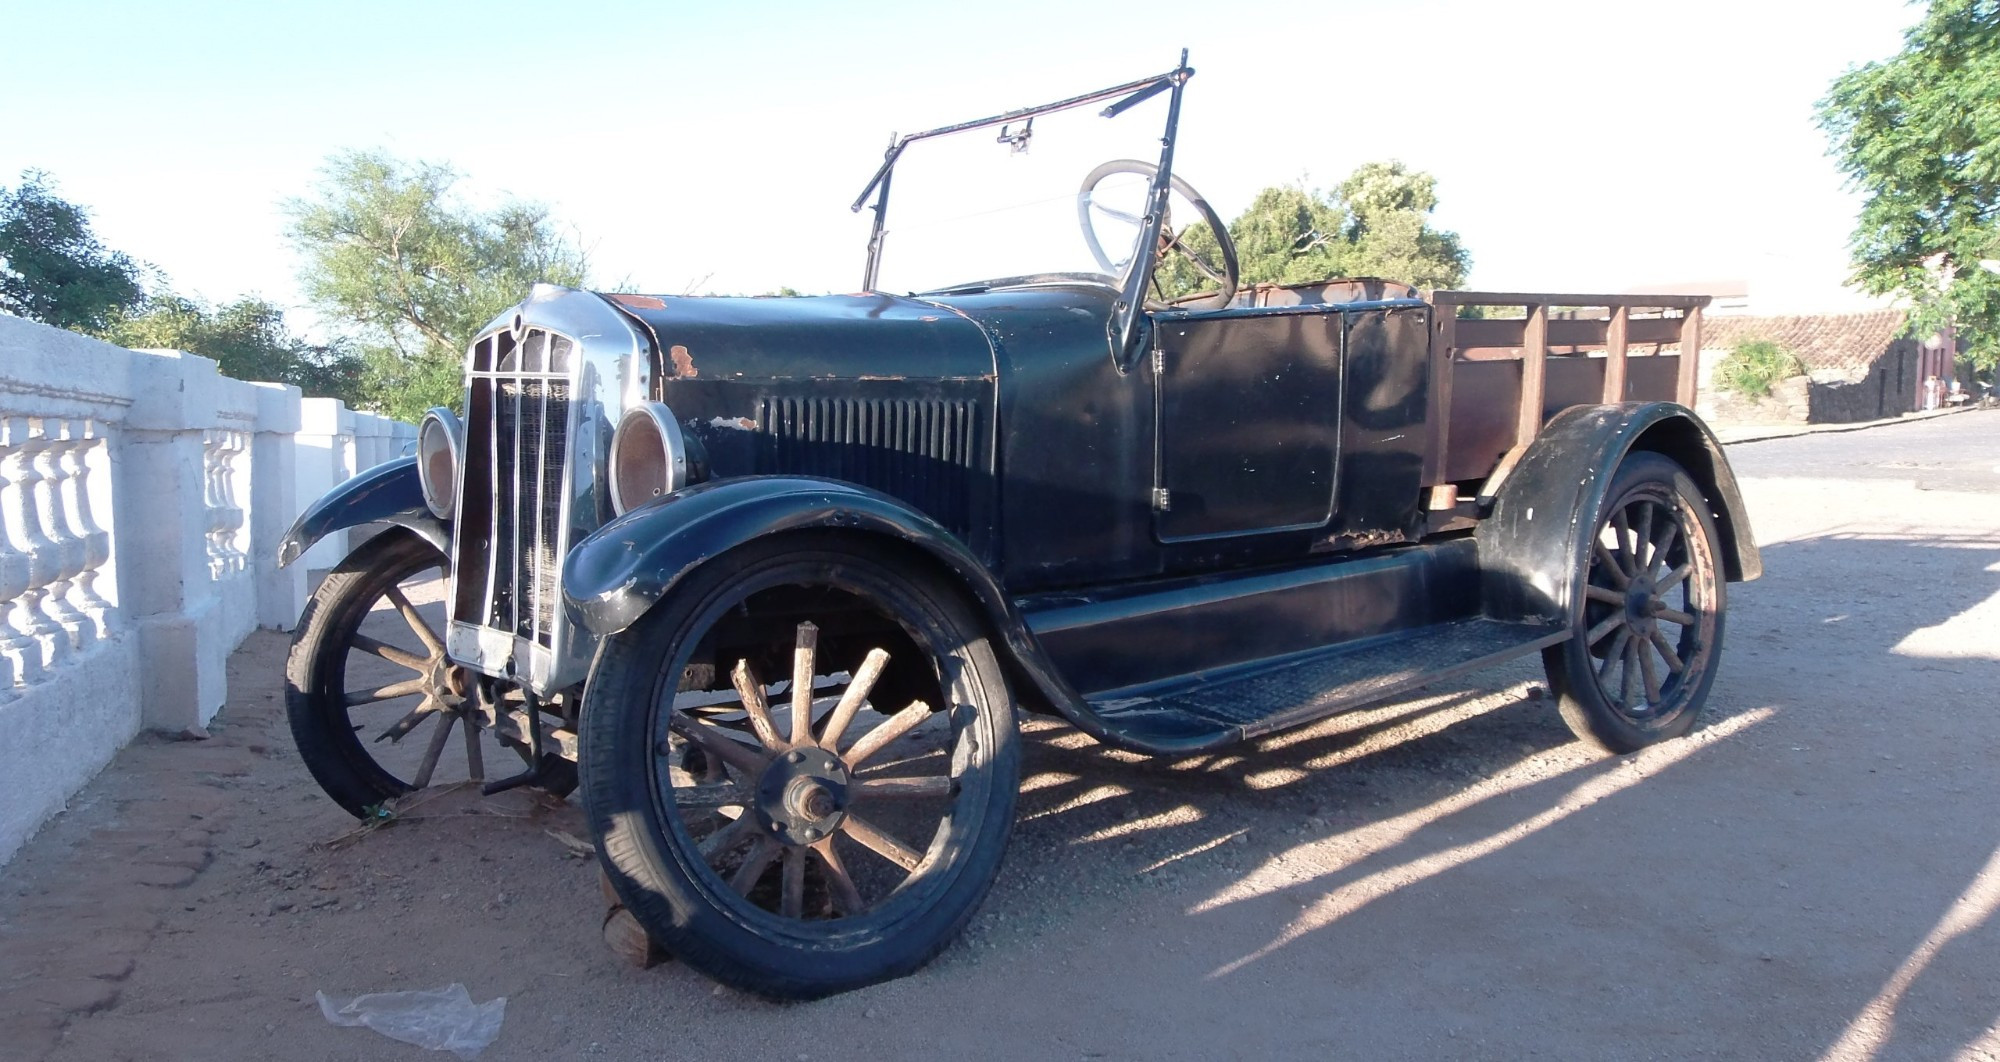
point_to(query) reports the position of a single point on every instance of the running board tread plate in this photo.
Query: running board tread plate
(1250, 703)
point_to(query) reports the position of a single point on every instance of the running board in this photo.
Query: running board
(1220, 708)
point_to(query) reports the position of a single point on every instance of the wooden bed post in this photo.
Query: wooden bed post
(1614, 354)
(1534, 374)
(1690, 375)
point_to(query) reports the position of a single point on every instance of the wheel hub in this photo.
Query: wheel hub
(802, 796)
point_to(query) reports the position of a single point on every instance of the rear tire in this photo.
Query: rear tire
(1648, 612)
(702, 817)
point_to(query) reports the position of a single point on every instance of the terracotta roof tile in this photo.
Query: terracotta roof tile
(1838, 342)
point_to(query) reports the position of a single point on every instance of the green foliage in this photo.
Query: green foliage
(1919, 135)
(52, 268)
(248, 339)
(1754, 365)
(1376, 224)
(411, 273)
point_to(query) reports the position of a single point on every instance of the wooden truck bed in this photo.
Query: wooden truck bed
(1502, 364)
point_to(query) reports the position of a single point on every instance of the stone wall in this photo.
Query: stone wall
(142, 496)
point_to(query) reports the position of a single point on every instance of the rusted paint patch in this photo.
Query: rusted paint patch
(640, 302)
(683, 363)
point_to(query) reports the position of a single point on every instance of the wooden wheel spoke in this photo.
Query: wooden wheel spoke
(905, 788)
(851, 699)
(792, 901)
(1609, 563)
(1615, 656)
(389, 692)
(1666, 544)
(1604, 594)
(1642, 542)
(755, 863)
(727, 837)
(803, 653)
(1605, 626)
(379, 648)
(1674, 615)
(435, 749)
(416, 621)
(718, 795)
(838, 881)
(892, 728)
(1650, 671)
(1628, 674)
(750, 688)
(881, 843)
(475, 760)
(1674, 578)
(415, 718)
(1623, 555)
(716, 742)
(1674, 663)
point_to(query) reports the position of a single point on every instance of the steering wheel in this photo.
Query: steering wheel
(1089, 209)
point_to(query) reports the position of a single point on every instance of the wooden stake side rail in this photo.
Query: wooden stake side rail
(1565, 325)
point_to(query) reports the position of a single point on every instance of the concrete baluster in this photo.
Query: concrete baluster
(44, 566)
(51, 505)
(78, 463)
(19, 654)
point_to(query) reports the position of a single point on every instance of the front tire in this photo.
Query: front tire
(371, 697)
(1648, 613)
(794, 855)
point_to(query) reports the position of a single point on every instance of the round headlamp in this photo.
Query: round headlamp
(649, 457)
(439, 441)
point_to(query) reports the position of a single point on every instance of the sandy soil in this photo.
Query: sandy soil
(1812, 873)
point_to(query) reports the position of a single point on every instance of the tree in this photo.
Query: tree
(1919, 136)
(52, 267)
(411, 273)
(1377, 223)
(248, 339)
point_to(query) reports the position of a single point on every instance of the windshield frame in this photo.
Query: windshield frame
(1125, 318)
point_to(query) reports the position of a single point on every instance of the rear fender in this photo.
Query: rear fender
(1538, 534)
(387, 493)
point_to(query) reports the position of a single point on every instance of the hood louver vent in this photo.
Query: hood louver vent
(923, 451)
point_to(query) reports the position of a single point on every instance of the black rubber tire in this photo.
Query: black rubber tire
(333, 753)
(1577, 671)
(650, 856)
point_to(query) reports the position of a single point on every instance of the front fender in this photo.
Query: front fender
(387, 493)
(613, 577)
(1538, 534)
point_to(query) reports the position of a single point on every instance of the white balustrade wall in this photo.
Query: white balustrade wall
(142, 497)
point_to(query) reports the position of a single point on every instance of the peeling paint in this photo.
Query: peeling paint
(640, 302)
(734, 423)
(683, 362)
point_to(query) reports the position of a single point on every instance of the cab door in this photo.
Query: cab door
(1248, 423)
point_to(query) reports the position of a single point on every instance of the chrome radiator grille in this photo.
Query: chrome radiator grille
(513, 511)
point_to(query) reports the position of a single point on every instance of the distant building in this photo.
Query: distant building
(1859, 366)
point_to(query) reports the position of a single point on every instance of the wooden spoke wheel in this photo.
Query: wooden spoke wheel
(1649, 616)
(372, 699)
(802, 767)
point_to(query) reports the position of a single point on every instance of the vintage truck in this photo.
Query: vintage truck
(773, 576)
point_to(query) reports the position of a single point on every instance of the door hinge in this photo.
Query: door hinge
(1162, 500)
(1159, 362)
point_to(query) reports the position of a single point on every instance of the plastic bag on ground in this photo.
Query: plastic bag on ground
(441, 1019)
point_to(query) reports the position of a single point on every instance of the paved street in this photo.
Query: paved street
(1958, 452)
(1813, 873)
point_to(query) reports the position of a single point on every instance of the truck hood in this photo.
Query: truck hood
(869, 336)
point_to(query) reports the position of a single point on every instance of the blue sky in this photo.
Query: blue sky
(1578, 146)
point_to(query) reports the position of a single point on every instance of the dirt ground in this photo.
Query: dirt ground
(1812, 873)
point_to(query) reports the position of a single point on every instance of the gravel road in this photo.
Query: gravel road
(1812, 873)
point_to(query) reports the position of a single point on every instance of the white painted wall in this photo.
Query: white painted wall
(142, 497)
